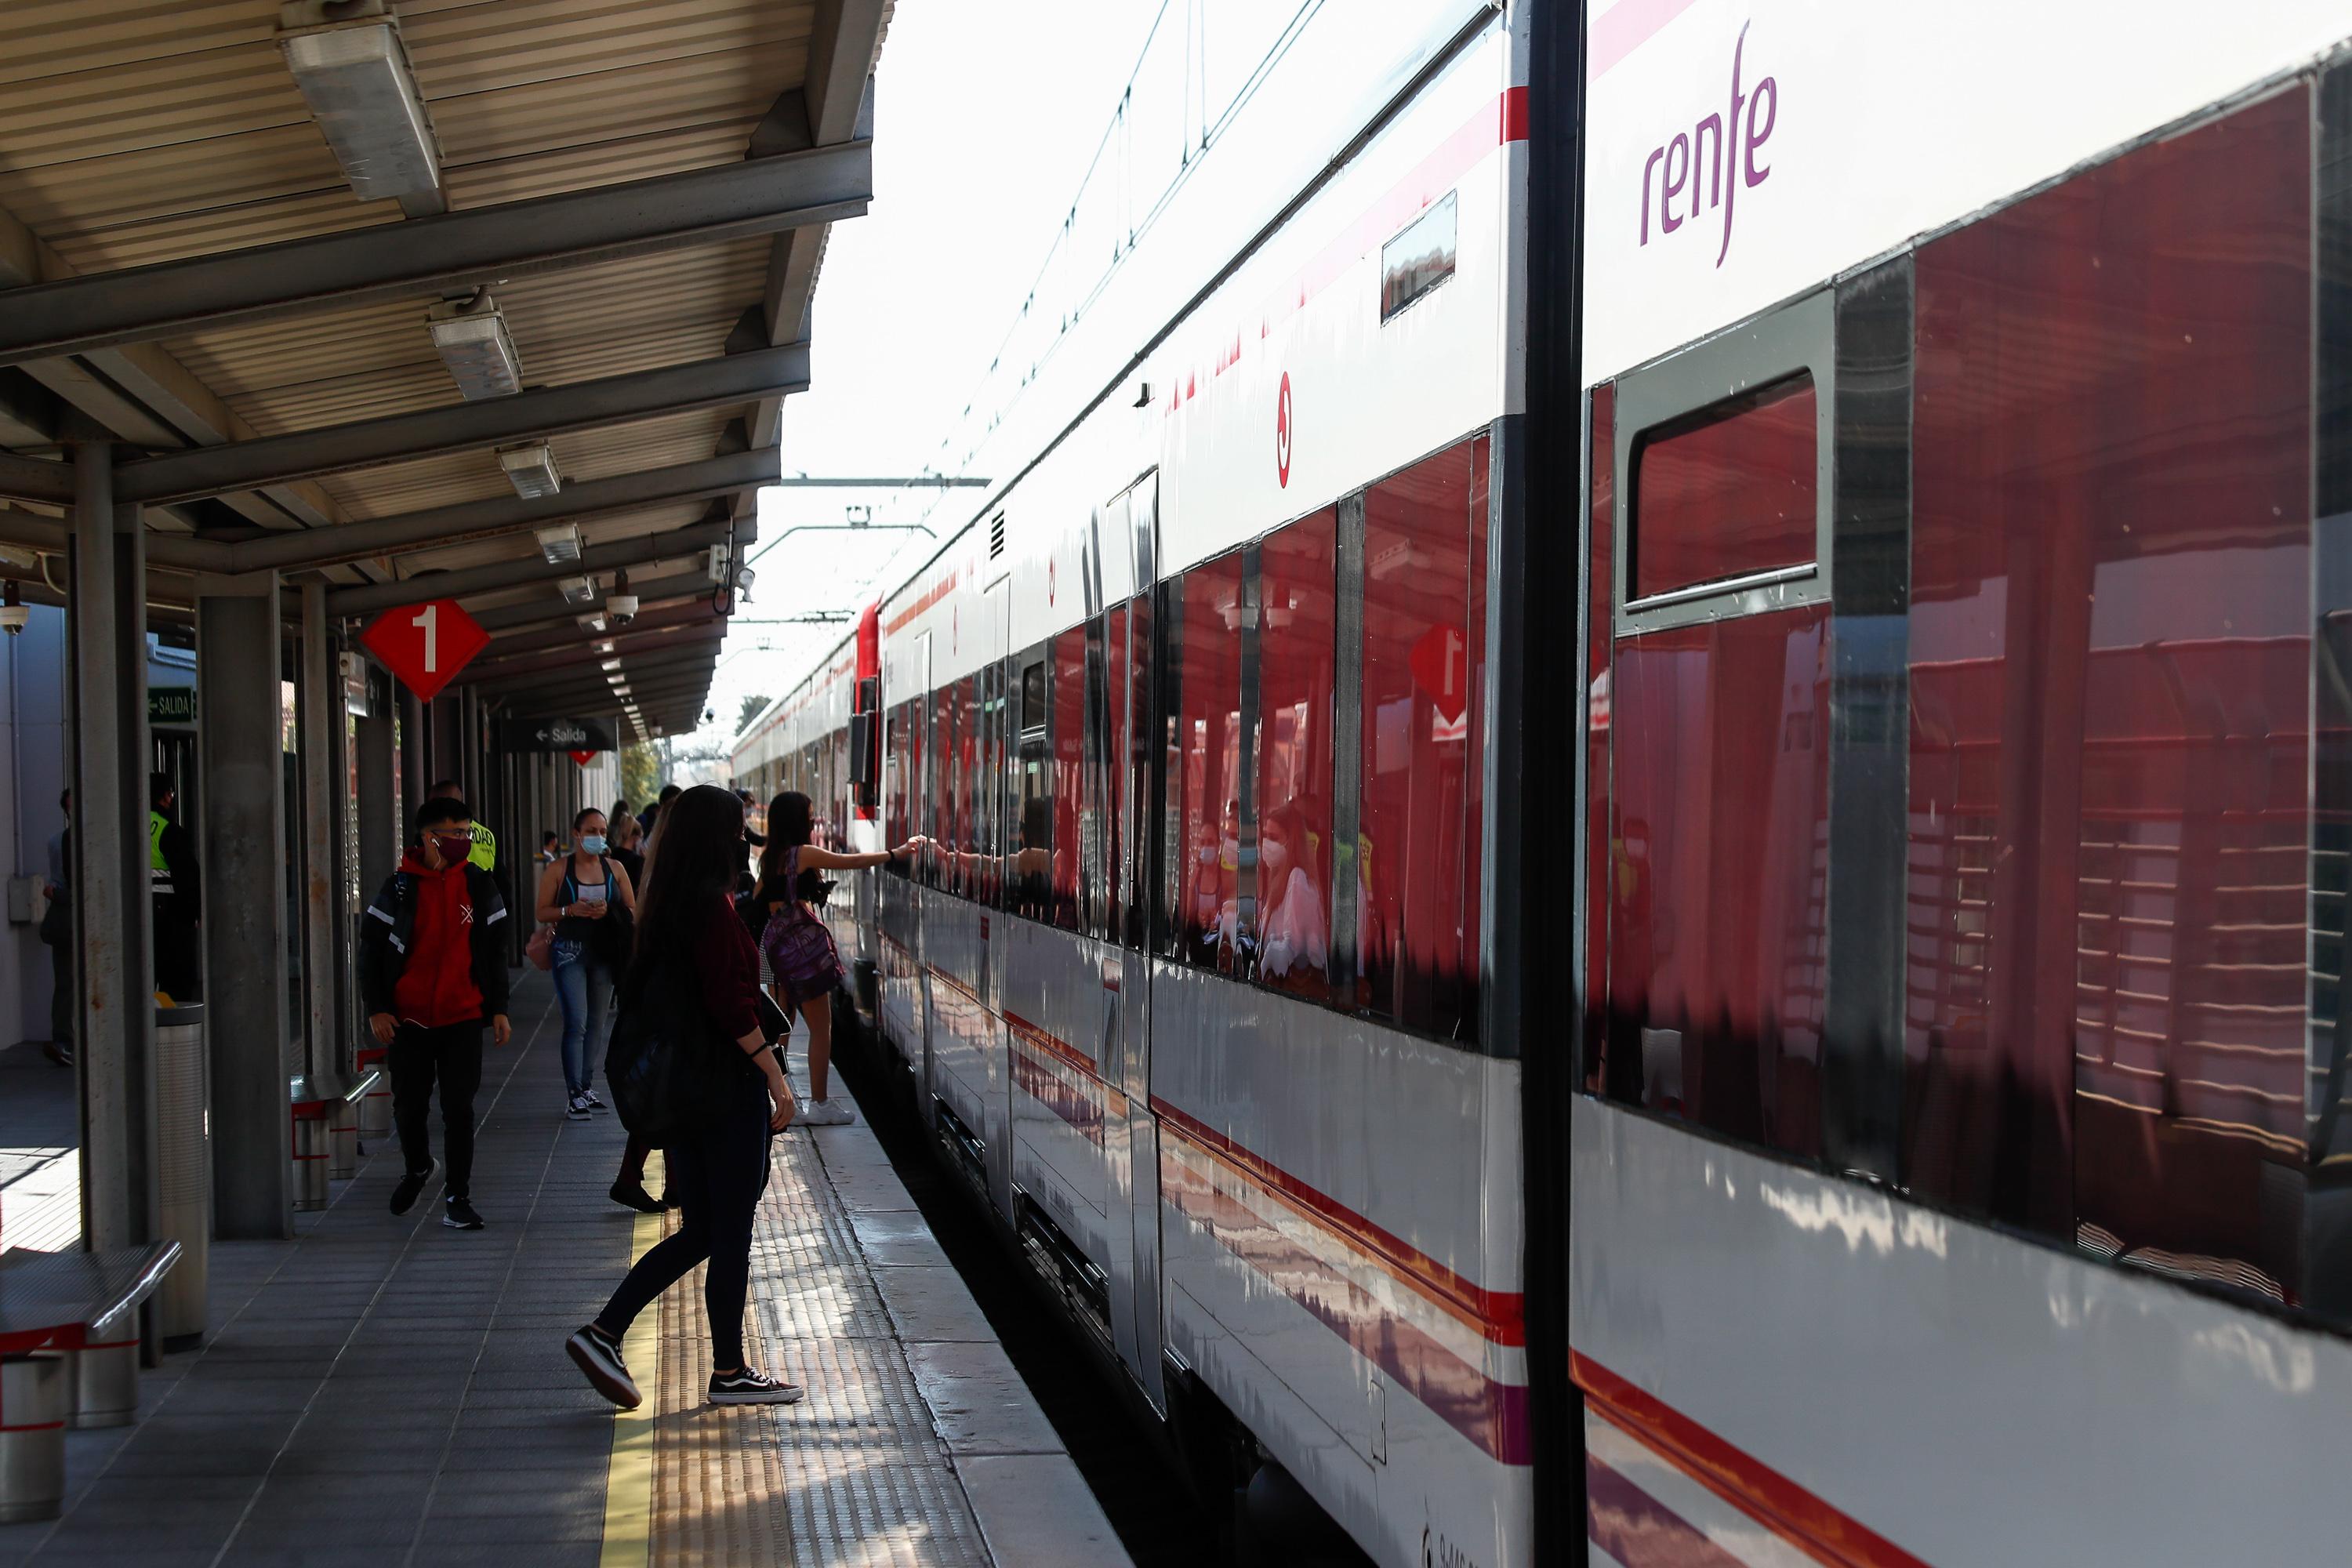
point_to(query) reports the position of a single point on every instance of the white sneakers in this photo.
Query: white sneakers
(825, 1113)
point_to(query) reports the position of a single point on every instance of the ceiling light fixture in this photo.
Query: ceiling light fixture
(473, 340)
(560, 544)
(530, 468)
(577, 590)
(353, 71)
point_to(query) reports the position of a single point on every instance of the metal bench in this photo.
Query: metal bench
(68, 1355)
(326, 1111)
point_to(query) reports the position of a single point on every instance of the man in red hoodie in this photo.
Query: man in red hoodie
(433, 972)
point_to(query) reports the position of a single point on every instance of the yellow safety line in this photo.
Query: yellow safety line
(629, 1480)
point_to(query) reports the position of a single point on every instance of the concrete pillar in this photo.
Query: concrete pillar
(321, 711)
(115, 1049)
(414, 781)
(380, 831)
(243, 849)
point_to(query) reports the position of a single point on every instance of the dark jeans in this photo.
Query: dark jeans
(453, 1055)
(716, 1176)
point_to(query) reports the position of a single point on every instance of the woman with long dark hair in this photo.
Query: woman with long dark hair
(796, 944)
(689, 936)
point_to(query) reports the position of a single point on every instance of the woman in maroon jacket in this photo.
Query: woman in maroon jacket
(686, 917)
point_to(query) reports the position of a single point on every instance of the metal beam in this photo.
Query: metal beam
(663, 685)
(444, 525)
(591, 657)
(548, 410)
(660, 591)
(481, 246)
(588, 671)
(36, 478)
(569, 636)
(676, 544)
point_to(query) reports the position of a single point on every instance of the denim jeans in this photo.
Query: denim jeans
(584, 986)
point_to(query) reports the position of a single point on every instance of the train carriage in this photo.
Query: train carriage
(1637, 850)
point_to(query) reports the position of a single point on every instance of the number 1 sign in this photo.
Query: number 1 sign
(425, 645)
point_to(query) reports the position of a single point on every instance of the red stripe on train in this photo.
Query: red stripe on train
(1738, 1478)
(1491, 1414)
(1499, 1315)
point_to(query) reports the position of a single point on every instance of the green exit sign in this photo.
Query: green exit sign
(172, 705)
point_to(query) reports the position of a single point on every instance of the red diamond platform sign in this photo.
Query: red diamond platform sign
(582, 758)
(425, 645)
(1441, 666)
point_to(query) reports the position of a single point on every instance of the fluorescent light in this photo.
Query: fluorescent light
(472, 337)
(356, 78)
(577, 590)
(560, 544)
(610, 663)
(593, 621)
(530, 468)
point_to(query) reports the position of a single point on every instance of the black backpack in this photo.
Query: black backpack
(664, 1063)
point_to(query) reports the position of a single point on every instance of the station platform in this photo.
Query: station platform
(383, 1390)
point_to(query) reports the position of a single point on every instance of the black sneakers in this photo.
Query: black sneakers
(632, 1196)
(752, 1386)
(458, 1214)
(403, 1196)
(598, 1354)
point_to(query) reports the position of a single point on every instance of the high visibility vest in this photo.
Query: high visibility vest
(485, 852)
(158, 872)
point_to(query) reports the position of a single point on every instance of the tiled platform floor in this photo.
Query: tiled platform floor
(385, 1391)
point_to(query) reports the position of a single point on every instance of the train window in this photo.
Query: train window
(1424, 641)
(972, 780)
(1727, 493)
(947, 830)
(1068, 697)
(1296, 681)
(1202, 848)
(2113, 892)
(1031, 891)
(1420, 258)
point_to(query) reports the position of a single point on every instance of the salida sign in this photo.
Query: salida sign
(425, 645)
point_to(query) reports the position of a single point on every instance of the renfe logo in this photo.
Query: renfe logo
(1702, 155)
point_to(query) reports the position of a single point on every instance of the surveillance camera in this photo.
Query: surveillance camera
(13, 618)
(621, 609)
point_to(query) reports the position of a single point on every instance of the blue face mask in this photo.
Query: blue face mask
(593, 842)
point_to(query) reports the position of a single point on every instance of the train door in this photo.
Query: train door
(991, 841)
(910, 956)
(1126, 969)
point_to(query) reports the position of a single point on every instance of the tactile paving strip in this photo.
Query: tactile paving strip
(855, 1476)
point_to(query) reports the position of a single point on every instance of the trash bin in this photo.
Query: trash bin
(33, 1390)
(313, 1135)
(185, 1174)
(375, 1109)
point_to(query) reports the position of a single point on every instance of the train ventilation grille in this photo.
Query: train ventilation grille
(996, 537)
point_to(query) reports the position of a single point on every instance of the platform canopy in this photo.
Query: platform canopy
(476, 299)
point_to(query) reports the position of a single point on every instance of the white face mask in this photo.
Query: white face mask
(1277, 857)
(592, 843)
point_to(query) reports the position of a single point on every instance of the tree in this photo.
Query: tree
(752, 708)
(640, 774)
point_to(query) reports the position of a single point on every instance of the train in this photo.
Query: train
(1639, 841)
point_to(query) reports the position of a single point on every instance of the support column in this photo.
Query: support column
(321, 724)
(412, 780)
(245, 904)
(115, 1049)
(381, 830)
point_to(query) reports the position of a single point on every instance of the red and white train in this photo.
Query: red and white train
(1643, 838)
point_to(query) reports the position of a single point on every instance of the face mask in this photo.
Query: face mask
(592, 843)
(454, 848)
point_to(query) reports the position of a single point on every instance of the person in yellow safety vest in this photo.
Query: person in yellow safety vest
(485, 853)
(178, 894)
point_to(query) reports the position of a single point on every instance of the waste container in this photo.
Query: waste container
(33, 1397)
(313, 1137)
(182, 1098)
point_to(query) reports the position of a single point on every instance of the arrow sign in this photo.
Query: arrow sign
(580, 738)
(425, 645)
(1441, 666)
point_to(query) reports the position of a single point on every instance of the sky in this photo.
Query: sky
(985, 119)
